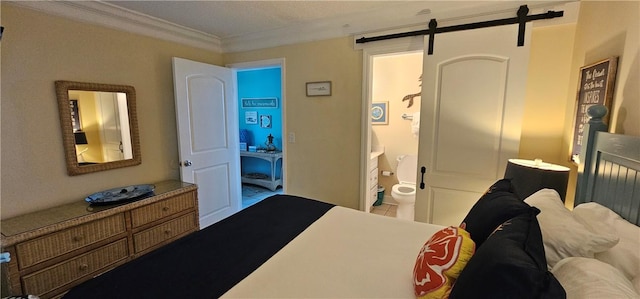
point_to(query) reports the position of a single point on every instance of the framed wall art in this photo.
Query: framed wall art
(595, 87)
(265, 121)
(75, 115)
(322, 88)
(379, 113)
(251, 117)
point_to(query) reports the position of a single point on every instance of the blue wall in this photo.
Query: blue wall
(262, 83)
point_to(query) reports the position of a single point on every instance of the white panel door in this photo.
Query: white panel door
(473, 92)
(207, 120)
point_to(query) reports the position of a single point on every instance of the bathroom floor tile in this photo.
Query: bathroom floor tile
(252, 194)
(392, 211)
(384, 209)
(379, 212)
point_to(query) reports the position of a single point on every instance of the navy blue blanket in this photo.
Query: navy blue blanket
(209, 262)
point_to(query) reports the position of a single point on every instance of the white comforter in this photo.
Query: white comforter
(344, 254)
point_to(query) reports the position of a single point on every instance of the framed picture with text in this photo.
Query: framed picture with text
(251, 117)
(595, 87)
(316, 89)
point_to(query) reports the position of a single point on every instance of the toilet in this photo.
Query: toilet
(404, 193)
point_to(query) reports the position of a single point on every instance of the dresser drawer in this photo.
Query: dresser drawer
(149, 238)
(82, 266)
(159, 210)
(38, 250)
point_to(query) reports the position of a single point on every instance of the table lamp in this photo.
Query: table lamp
(81, 137)
(529, 176)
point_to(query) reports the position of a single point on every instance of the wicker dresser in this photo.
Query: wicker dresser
(55, 249)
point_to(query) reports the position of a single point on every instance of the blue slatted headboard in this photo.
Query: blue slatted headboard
(609, 172)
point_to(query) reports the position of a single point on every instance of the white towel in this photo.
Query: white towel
(415, 125)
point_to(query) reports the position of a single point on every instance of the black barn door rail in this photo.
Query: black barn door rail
(522, 18)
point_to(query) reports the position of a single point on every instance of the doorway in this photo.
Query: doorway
(396, 88)
(261, 123)
(473, 125)
(370, 141)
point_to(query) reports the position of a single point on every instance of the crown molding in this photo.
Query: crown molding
(108, 15)
(112, 16)
(302, 33)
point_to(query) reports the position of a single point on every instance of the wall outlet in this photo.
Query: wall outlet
(292, 137)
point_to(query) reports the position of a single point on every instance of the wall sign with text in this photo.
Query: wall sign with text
(596, 84)
(259, 103)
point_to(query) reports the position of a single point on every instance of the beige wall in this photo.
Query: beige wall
(394, 77)
(38, 49)
(605, 29)
(89, 120)
(324, 162)
(546, 92)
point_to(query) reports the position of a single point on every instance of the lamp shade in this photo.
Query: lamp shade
(529, 176)
(81, 137)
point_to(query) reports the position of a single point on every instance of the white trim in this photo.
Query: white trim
(260, 64)
(108, 15)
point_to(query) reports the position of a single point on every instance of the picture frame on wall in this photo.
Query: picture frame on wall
(595, 87)
(321, 88)
(265, 121)
(251, 117)
(379, 113)
(75, 115)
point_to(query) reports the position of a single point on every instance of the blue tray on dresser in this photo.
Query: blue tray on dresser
(120, 195)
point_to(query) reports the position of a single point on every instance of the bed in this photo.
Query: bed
(294, 247)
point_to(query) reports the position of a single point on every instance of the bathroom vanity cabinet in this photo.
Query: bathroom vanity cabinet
(373, 181)
(374, 171)
(55, 249)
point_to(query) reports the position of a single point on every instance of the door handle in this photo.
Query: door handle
(422, 171)
(186, 163)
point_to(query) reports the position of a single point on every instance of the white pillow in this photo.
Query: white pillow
(625, 256)
(562, 234)
(590, 278)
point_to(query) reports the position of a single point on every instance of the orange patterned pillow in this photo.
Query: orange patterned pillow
(440, 262)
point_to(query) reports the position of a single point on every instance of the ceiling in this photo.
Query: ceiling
(245, 25)
(227, 19)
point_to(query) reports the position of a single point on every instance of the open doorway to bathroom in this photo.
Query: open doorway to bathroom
(260, 108)
(395, 91)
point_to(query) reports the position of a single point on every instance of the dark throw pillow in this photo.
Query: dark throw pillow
(510, 264)
(496, 206)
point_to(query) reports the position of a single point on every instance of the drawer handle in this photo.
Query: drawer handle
(164, 209)
(167, 232)
(83, 267)
(77, 238)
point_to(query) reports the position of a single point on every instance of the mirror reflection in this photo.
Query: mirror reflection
(100, 123)
(99, 126)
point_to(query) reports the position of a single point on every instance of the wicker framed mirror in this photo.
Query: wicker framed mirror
(99, 126)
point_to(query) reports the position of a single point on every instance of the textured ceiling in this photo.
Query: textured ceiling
(229, 19)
